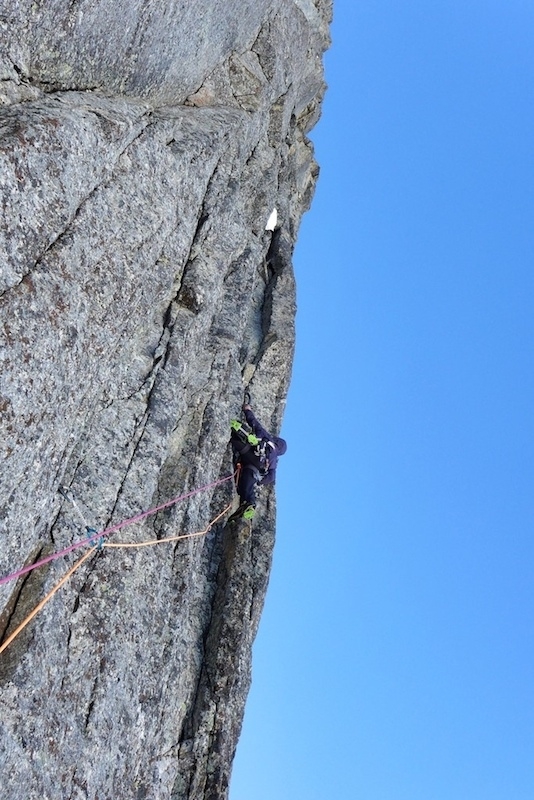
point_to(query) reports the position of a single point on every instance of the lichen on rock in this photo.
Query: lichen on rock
(142, 151)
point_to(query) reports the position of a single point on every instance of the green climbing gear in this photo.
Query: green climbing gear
(238, 427)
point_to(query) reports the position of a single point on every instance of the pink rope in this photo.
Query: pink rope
(113, 529)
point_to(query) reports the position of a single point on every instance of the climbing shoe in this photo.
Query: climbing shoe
(244, 511)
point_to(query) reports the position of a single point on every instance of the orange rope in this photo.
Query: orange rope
(73, 569)
(45, 600)
(171, 538)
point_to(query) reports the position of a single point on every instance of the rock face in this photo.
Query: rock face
(143, 146)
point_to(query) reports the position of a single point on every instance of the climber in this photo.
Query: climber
(256, 451)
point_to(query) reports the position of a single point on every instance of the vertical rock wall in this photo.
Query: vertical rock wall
(143, 146)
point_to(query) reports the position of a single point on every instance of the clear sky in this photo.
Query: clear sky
(395, 659)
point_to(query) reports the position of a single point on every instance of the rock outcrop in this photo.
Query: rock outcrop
(143, 146)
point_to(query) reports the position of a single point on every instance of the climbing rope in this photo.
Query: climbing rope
(91, 540)
(171, 538)
(99, 546)
(45, 600)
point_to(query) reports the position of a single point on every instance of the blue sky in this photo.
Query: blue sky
(395, 659)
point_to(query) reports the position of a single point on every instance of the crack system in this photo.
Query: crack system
(107, 172)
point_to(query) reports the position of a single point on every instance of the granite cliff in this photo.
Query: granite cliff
(143, 146)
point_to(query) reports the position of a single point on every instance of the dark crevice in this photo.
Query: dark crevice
(214, 630)
(274, 259)
(58, 514)
(139, 431)
(252, 156)
(23, 599)
(191, 722)
(10, 608)
(163, 349)
(92, 699)
(90, 568)
(55, 87)
(81, 783)
(18, 70)
(183, 295)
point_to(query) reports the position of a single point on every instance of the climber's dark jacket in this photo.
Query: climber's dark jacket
(253, 472)
(280, 446)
